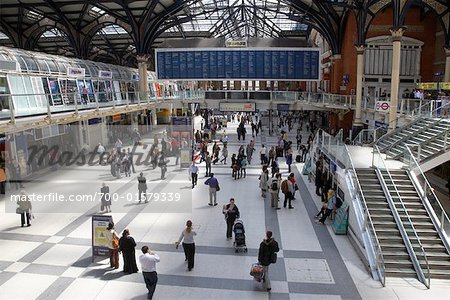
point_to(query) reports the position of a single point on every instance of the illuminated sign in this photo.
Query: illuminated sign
(427, 85)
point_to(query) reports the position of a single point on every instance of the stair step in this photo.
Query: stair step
(401, 272)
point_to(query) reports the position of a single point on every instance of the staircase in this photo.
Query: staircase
(396, 258)
(437, 255)
(428, 133)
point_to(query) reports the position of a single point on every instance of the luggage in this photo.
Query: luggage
(257, 271)
(298, 158)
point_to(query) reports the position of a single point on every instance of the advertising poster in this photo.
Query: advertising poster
(99, 239)
(185, 158)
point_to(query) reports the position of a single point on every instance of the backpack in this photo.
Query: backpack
(284, 186)
(274, 186)
(338, 202)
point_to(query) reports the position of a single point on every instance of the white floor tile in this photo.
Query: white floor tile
(25, 286)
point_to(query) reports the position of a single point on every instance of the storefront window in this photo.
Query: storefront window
(69, 91)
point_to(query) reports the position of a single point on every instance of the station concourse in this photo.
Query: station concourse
(108, 108)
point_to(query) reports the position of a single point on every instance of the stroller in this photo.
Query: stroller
(239, 236)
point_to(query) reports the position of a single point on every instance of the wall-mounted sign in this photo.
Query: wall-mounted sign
(379, 124)
(117, 118)
(236, 106)
(75, 72)
(135, 77)
(282, 107)
(444, 85)
(105, 74)
(236, 44)
(427, 85)
(382, 106)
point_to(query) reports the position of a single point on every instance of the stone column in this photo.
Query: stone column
(397, 34)
(336, 78)
(143, 77)
(359, 76)
(447, 64)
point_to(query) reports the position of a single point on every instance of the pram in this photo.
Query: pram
(239, 236)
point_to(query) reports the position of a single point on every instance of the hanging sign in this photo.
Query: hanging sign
(100, 241)
(234, 106)
(105, 74)
(382, 106)
(135, 77)
(236, 44)
(75, 72)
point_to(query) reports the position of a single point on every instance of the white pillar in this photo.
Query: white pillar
(154, 117)
(143, 77)
(397, 34)
(447, 64)
(359, 77)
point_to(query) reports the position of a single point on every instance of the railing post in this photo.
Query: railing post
(419, 148)
(13, 110)
(442, 219)
(445, 139)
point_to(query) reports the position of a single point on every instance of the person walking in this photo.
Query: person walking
(113, 245)
(224, 154)
(249, 150)
(148, 261)
(208, 164)
(275, 185)
(213, 184)
(126, 247)
(187, 236)
(231, 212)
(330, 208)
(266, 256)
(193, 173)
(288, 190)
(130, 160)
(24, 208)
(289, 159)
(163, 165)
(142, 187)
(106, 198)
(243, 165)
(263, 180)
(263, 154)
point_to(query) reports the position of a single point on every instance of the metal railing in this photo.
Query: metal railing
(21, 105)
(426, 192)
(335, 147)
(379, 163)
(367, 224)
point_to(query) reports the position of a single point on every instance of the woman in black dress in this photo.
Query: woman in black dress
(126, 246)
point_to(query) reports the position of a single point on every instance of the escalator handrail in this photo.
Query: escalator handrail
(378, 253)
(419, 269)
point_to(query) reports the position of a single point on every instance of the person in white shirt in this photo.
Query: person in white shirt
(274, 186)
(187, 236)
(148, 262)
(263, 154)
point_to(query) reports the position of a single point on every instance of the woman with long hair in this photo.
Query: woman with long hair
(187, 236)
(113, 245)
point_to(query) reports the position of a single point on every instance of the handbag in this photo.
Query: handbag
(18, 211)
(217, 188)
(273, 258)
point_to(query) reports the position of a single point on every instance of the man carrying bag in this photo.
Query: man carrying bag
(267, 255)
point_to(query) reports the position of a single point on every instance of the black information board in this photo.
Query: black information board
(234, 64)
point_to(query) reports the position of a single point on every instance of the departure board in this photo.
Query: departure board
(238, 64)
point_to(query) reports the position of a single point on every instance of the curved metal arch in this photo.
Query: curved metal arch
(150, 33)
(323, 26)
(94, 30)
(36, 34)
(446, 28)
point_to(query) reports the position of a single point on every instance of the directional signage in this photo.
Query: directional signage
(235, 106)
(294, 64)
(382, 106)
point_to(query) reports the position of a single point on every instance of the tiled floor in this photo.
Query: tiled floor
(52, 258)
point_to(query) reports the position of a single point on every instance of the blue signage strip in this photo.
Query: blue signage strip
(234, 64)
